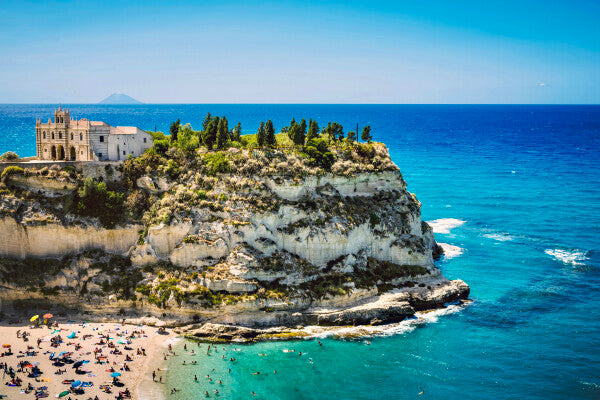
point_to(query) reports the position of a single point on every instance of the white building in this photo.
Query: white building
(83, 140)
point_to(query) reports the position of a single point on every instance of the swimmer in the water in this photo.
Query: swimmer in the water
(256, 373)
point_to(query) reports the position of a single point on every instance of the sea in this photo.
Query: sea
(513, 193)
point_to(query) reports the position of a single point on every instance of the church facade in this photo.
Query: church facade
(83, 140)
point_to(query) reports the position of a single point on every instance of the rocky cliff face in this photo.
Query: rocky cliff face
(255, 249)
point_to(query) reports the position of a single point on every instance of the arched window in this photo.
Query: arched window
(81, 136)
(71, 135)
(52, 135)
(60, 135)
(44, 134)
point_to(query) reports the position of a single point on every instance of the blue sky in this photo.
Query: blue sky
(301, 52)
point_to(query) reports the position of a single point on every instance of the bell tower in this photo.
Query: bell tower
(62, 116)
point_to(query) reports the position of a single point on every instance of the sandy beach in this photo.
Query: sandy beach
(48, 360)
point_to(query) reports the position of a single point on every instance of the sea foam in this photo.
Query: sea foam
(573, 257)
(501, 237)
(444, 225)
(451, 251)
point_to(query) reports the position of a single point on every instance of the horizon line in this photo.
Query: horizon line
(331, 104)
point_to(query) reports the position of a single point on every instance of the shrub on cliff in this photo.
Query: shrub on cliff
(12, 170)
(319, 154)
(95, 200)
(216, 163)
(10, 156)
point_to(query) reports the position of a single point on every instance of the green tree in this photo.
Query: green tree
(270, 140)
(302, 132)
(206, 121)
(260, 136)
(95, 200)
(210, 134)
(313, 130)
(237, 132)
(174, 130)
(351, 136)
(222, 134)
(366, 134)
(290, 130)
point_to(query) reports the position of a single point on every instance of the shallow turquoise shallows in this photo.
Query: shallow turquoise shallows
(517, 190)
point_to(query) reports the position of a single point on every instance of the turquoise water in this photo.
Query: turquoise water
(526, 182)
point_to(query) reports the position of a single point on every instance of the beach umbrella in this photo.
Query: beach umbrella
(46, 316)
(71, 335)
(34, 318)
(115, 374)
(85, 361)
(35, 363)
(63, 394)
(78, 364)
(6, 346)
(76, 383)
(62, 353)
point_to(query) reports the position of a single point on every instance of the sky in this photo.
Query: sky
(417, 51)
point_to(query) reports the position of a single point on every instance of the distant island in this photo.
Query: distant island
(119, 98)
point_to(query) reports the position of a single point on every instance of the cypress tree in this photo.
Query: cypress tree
(260, 137)
(366, 134)
(290, 130)
(237, 132)
(222, 134)
(302, 132)
(210, 134)
(270, 134)
(206, 121)
(313, 130)
(174, 130)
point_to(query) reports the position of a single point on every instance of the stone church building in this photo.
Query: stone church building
(82, 140)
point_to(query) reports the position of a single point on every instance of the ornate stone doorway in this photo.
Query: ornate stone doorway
(73, 154)
(53, 152)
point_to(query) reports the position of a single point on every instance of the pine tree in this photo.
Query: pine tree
(366, 134)
(291, 130)
(237, 132)
(210, 134)
(206, 121)
(174, 130)
(302, 132)
(222, 134)
(338, 131)
(270, 140)
(351, 136)
(260, 136)
(313, 130)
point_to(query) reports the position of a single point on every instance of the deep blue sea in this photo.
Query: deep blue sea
(517, 191)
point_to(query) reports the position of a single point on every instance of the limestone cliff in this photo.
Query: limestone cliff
(268, 240)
